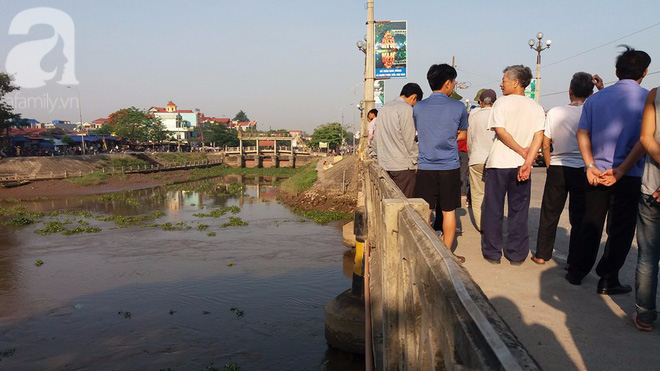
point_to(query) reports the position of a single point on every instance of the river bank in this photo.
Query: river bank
(334, 190)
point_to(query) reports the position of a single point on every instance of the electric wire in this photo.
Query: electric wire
(573, 56)
(600, 46)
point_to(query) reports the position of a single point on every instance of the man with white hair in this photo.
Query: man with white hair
(518, 124)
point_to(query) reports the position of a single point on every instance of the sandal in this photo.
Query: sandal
(641, 326)
(536, 260)
(461, 259)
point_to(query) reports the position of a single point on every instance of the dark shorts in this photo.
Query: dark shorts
(439, 187)
(405, 180)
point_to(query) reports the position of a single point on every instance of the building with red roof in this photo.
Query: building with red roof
(180, 123)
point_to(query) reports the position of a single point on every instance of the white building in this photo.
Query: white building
(180, 123)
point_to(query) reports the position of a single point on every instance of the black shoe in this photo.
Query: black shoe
(492, 261)
(613, 290)
(518, 263)
(573, 280)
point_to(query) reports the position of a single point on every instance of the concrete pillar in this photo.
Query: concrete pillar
(390, 282)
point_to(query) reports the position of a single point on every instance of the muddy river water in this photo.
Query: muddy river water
(173, 290)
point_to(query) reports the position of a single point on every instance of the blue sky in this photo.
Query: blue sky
(294, 64)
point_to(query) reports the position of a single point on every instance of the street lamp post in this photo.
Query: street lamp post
(538, 47)
(368, 49)
(82, 137)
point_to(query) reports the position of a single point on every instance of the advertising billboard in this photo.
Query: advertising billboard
(390, 47)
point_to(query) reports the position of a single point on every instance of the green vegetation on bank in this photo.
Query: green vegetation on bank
(89, 179)
(124, 161)
(221, 170)
(174, 158)
(301, 180)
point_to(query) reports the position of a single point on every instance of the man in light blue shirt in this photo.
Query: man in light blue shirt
(608, 137)
(440, 122)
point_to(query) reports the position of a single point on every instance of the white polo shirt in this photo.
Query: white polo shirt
(521, 117)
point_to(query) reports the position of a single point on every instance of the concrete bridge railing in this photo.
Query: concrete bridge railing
(427, 312)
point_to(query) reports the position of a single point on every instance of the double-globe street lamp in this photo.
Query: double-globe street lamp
(538, 47)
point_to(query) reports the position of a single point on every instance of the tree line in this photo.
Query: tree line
(138, 125)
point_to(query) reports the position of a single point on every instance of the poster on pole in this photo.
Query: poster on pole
(379, 93)
(390, 48)
(530, 90)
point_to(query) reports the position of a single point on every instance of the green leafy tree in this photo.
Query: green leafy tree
(158, 132)
(220, 135)
(331, 133)
(8, 118)
(132, 124)
(104, 130)
(67, 140)
(241, 117)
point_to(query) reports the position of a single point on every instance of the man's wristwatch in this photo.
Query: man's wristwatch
(591, 165)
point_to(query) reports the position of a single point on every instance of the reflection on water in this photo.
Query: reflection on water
(178, 287)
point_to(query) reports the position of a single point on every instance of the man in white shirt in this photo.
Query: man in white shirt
(565, 174)
(518, 123)
(479, 141)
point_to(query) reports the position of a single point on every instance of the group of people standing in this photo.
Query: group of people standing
(595, 149)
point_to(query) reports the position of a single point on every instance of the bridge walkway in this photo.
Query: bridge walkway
(564, 327)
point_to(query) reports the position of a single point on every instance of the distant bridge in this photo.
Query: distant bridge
(266, 152)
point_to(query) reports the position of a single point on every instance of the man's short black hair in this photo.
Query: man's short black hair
(410, 89)
(582, 85)
(631, 63)
(374, 111)
(438, 74)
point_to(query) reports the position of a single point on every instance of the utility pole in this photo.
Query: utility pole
(368, 100)
(82, 126)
